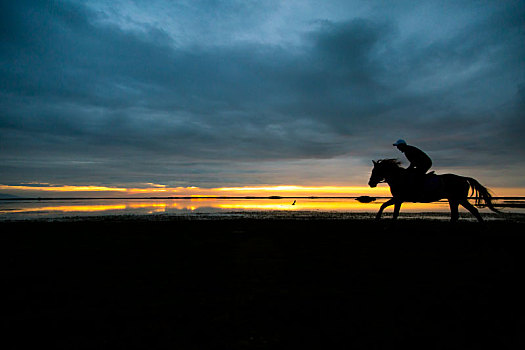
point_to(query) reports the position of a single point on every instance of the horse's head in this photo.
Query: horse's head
(382, 169)
(376, 176)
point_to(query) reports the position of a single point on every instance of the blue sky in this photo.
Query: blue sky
(233, 93)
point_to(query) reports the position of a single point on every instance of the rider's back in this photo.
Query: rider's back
(417, 157)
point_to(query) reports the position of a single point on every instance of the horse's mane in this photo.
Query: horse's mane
(390, 162)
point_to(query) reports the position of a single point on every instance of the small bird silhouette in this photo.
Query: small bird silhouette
(294, 202)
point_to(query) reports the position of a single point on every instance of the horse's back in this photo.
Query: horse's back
(432, 182)
(454, 186)
(437, 187)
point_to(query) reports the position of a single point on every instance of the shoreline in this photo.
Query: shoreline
(298, 215)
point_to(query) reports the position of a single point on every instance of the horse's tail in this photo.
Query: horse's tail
(482, 194)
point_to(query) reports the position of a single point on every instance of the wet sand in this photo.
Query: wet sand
(262, 283)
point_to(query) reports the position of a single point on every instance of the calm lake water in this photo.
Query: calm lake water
(42, 209)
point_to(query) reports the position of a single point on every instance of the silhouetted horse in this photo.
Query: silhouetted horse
(455, 188)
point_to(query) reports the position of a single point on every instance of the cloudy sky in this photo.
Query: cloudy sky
(245, 93)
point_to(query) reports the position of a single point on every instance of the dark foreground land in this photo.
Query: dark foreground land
(334, 283)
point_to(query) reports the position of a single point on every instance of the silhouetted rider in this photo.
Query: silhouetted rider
(419, 161)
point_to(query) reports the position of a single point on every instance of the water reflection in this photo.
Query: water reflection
(320, 205)
(57, 208)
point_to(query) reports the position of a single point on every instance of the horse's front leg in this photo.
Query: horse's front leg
(383, 206)
(397, 207)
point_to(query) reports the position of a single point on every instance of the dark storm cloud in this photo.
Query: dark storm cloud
(86, 98)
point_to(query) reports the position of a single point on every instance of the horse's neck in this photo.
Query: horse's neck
(395, 182)
(395, 176)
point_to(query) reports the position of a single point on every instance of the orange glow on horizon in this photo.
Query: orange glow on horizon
(197, 192)
(302, 189)
(171, 206)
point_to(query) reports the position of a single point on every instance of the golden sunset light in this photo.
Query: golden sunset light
(34, 190)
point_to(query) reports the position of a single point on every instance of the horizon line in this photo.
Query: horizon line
(37, 190)
(222, 197)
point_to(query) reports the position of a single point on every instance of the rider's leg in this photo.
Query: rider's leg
(419, 182)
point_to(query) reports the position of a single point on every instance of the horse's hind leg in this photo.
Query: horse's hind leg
(471, 208)
(454, 215)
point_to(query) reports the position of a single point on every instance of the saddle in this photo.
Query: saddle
(424, 187)
(431, 182)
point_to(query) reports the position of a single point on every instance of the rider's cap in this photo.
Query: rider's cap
(400, 142)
